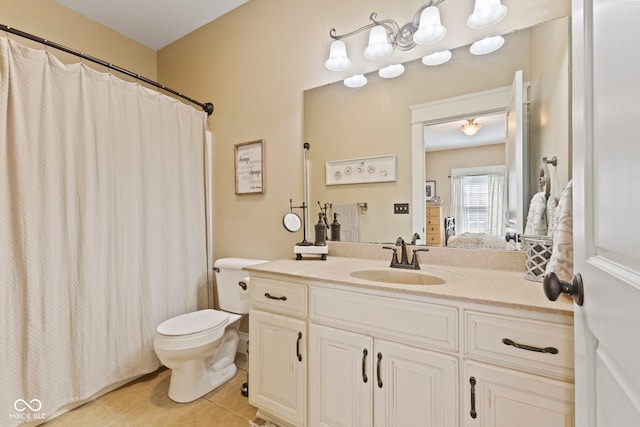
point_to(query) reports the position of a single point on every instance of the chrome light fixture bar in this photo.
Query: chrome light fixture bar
(425, 29)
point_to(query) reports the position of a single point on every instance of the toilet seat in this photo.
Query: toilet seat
(191, 330)
(193, 323)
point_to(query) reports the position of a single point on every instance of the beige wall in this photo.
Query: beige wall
(49, 20)
(254, 64)
(550, 109)
(438, 165)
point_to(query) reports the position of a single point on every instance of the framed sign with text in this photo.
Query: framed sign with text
(249, 167)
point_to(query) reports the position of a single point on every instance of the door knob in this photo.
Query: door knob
(553, 287)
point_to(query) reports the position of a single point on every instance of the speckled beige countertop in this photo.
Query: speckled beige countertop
(505, 288)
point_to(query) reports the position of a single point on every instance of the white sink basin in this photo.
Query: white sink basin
(402, 277)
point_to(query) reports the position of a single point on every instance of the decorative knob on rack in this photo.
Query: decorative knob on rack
(553, 287)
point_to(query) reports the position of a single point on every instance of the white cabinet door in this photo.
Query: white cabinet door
(606, 207)
(340, 378)
(498, 397)
(414, 387)
(277, 366)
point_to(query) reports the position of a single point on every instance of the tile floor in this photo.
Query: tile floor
(144, 402)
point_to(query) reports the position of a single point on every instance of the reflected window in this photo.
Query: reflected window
(477, 200)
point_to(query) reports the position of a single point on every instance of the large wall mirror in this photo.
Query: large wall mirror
(374, 121)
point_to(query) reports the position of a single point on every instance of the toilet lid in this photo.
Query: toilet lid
(191, 323)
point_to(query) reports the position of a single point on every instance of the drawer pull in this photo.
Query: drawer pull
(364, 365)
(473, 412)
(298, 347)
(550, 350)
(378, 370)
(268, 295)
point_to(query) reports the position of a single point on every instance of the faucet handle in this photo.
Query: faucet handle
(414, 257)
(394, 257)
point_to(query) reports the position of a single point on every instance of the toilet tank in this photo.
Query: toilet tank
(229, 273)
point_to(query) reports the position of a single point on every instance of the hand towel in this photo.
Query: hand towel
(348, 219)
(536, 224)
(552, 204)
(561, 261)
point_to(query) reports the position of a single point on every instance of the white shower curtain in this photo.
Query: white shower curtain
(102, 228)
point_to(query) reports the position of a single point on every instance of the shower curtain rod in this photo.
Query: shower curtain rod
(207, 107)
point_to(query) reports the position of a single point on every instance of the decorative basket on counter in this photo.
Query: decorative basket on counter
(538, 252)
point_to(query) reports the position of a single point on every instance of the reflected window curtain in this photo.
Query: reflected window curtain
(458, 204)
(496, 210)
(102, 223)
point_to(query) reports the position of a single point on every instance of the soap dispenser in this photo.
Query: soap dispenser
(335, 228)
(321, 231)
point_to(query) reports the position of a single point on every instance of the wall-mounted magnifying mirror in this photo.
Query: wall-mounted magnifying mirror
(292, 222)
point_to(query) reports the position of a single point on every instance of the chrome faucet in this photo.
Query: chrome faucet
(404, 259)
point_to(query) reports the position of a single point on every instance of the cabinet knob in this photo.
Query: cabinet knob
(553, 287)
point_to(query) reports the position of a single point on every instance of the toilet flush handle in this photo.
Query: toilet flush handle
(243, 285)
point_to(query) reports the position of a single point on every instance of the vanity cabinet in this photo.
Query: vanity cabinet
(371, 363)
(335, 354)
(277, 350)
(517, 371)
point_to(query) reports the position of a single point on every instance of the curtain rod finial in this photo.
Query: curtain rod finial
(208, 108)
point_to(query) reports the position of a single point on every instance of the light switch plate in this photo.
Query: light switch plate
(401, 208)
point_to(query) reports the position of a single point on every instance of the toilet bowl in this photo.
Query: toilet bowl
(200, 347)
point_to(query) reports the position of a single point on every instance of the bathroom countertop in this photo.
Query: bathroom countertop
(474, 285)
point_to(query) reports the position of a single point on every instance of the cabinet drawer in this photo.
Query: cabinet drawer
(433, 239)
(278, 296)
(413, 322)
(537, 346)
(433, 228)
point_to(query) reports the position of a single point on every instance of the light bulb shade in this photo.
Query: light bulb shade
(338, 59)
(391, 71)
(437, 58)
(486, 45)
(379, 46)
(486, 13)
(358, 80)
(430, 29)
(470, 128)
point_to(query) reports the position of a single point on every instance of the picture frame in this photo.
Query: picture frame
(249, 167)
(429, 190)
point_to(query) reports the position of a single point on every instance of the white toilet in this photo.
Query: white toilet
(200, 347)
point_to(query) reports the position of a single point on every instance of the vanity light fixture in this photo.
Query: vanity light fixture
(425, 28)
(486, 13)
(470, 128)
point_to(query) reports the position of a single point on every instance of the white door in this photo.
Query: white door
(606, 204)
(500, 397)
(414, 387)
(515, 152)
(340, 378)
(277, 365)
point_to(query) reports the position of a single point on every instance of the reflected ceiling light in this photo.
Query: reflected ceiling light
(391, 71)
(437, 58)
(486, 13)
(430, 29)
(470, 128)
(338, 59)
(486, 45)
(358, 80)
